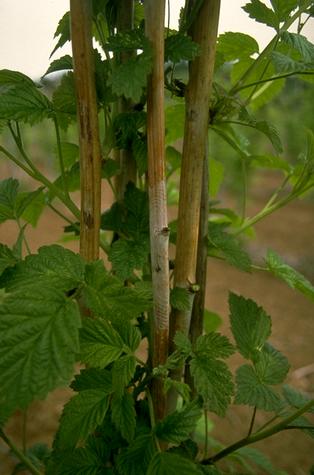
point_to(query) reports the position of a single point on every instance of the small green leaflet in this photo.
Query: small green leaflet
(127, 256)
(216, 176)
(212, 321)
(81, 461)
(236, 46)
(214, 345)
(135, 459)
(175, 116)
(283, 8)
(80, 417)
(122, 372)
(38, 343)
(261, 13)
(271, 366)
(53, 266)
(70, 154)
(254, 392)
(301, 44)
(179, 47)
(286, 64)
(180, 298)
(63, 30)
(165, 463)
(258, 458)
(93, 378)
(293, 278)
(63, 100)
(295, 398)
(12, 203)
(34, 209)
(250, 325)
(109, 168)
(61, 64)
(100, 343)
(179, 425)
(123, 415)
(7, 258)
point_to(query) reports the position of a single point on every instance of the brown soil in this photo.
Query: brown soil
(290, 232)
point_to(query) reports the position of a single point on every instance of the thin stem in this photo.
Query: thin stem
(206, 434)
(24, 238)
(244, 188)
(273, 78)
(270, 421)
(257, 436)
(26, 461)
(276, 193)
(59, 213)
(60, 156)
(152, 416)
(252, 421)
(17, 162)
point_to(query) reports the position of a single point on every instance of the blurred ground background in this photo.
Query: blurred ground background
(290, 232)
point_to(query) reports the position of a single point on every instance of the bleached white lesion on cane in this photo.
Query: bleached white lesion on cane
(159, 254)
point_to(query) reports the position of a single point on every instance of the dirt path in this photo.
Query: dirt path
(289, 232)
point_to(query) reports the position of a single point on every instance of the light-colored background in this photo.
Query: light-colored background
(27, 28)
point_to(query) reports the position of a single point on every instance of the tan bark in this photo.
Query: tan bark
(90, 154)
(159, 233)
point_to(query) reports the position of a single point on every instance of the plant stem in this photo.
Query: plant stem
(159, 231)
(244, 188)
(152, 416)
(252, 421)
(26, 461)
(257, 436)
(273, 78)
(90, 152)
(60, 156)
(206, 434)
(24, 238)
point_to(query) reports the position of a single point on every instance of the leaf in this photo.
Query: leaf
(175, 116)
(100, 343)
(127, 256)
(8, 196)
(300, 43)
(108, 297)
(165, 463)
(283, 8)
(109, 168)
(139, 149)
(179, 47)
(7, 258)
(296, 398)
(236, 46)
(53, 266)
(250, 325)
(123, 415)
(286, 64)
(271, 366)
(136, 68)
(80, 461)
(178, 426)
(64, 102)
(258, 458)
(214, 345)
(253, 392)
(228, 245)
(212, 321)
(293, 278)
(130, 335)
(173, 159)
(183, 343)
(8, 77)
(25, 200)
(63, 30)
(80, 417)
(70, 154)
(34, 208)
(213, 382)
(61, 64)
(21, 100)
(180, 298)
(261, 13)
(122, 372)
(216, 176)
(134, 460)
(38, 343)
(269, 161)
(181, 388)
(93, 378)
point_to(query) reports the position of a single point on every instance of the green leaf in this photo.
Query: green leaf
(122, 372)
(296, 398)
(213, 382)
(93, 378)
(179, 47)
(8, 77)
(136, 68)
(108, 297)
(61, 64)
(7, 258)
(64, 102)
(258, 458)
(283, 8)
(261, 13)
(214, 345)
(80, 461)
(53, 266)
(293, 278)
(63, 30)
(175, 117)
(181, 388)
(21, 100)
(100, 343)
(25, 200)
(173, 158)
(109, 168)
(286, 64)
(236, 46)
(8, 196)
(123, 415)
(231, 248)
(80, 417)
(34, 208)
(180, 298)
(135, 459)
(38, 343)
(212, 321)
(130, 334)
(301, 44)
(139, 149)
(183, 343)
(165, 463)
(271, 366)
(216, 176)
(70, 154)
(127, 256)
(269, 161)
(250, 325)
(178, 426)
(253, 392)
